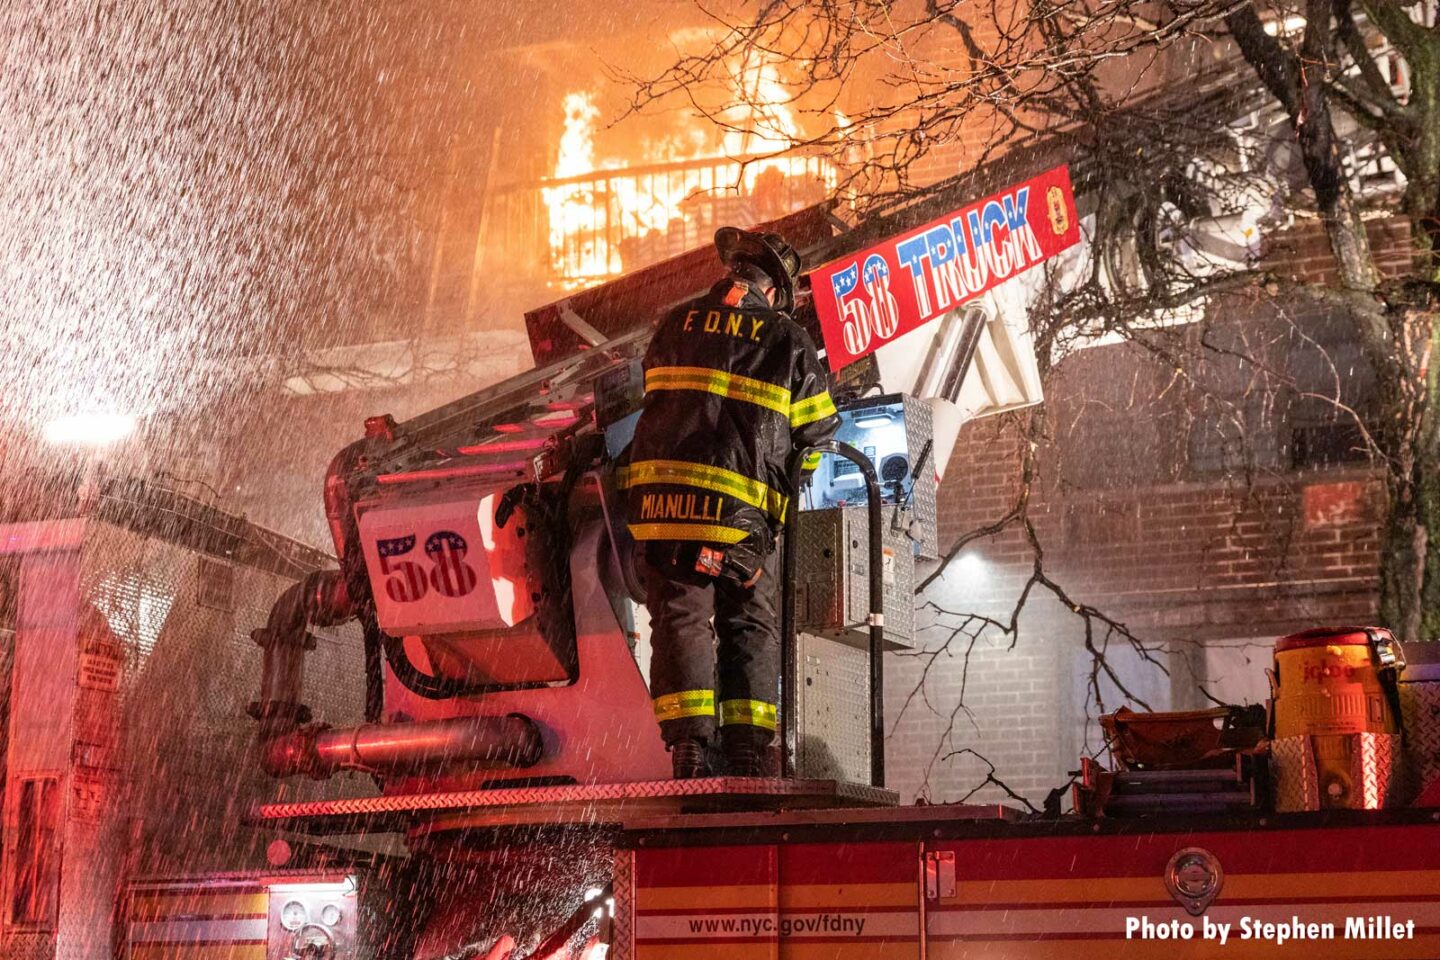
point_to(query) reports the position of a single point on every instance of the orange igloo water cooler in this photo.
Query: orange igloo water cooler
(1337, 740)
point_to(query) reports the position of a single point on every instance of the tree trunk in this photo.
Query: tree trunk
(1297, 80)
(1404, 555)
(1410, 438)
(1396, 323)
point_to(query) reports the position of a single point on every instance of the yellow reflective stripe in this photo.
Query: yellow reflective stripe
(707, 532)
(715, 479)
(720, 383)
(811, 461)
(686, 703)
(811, 409)
(755, 713)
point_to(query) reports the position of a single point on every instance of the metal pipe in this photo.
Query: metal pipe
(344, 531)
(789, 654)
(877, 618)
(528, 445)
(321, 599)
(515, 469)
(509, 741)
(789, 735)
(975, 320)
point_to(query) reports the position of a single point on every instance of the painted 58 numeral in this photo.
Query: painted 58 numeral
(443, 569)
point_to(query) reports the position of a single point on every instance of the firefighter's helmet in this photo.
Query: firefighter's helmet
(769, 252)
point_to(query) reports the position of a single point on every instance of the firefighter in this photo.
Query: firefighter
(732, 387)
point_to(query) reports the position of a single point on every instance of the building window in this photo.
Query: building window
(1233, 441)
(1326, 445)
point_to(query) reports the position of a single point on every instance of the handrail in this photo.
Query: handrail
(671, 166)
(876, 619)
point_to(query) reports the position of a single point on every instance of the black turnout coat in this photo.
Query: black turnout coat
(732, 388)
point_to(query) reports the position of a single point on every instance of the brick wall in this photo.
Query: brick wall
(1183, 563)
(1303, 252)
(935, 55)
(966, 130)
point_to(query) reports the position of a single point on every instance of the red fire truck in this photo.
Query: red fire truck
(465, 756)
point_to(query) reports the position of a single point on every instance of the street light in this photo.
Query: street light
(89, 429)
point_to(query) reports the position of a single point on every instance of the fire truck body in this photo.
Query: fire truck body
(970, 883)
(506, 758)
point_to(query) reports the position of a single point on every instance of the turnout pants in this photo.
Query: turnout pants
(703, 673)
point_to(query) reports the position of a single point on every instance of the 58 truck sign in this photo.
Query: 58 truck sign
(869, 298)
(411, 574)
(445, 567)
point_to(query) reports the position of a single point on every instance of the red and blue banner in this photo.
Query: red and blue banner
(869, 298)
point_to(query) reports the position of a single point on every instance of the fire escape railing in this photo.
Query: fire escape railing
(622, 219)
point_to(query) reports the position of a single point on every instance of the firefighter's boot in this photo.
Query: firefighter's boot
(687, 758)
(747, 750)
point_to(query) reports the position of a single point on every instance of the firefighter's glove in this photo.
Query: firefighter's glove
(750, 577)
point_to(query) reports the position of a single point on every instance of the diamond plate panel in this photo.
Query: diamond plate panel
(1292, 772)
(899, 579)
(622, 921)
(834, 710)
(588, 803)
(1363, 766)
(920, 430)
(832, 592)
(1375, 766)
(1420, 710)
(30, 946)
(819, 559)
(580, 793)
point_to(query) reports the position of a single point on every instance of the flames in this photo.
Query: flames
(609, 214)
(572, 207)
